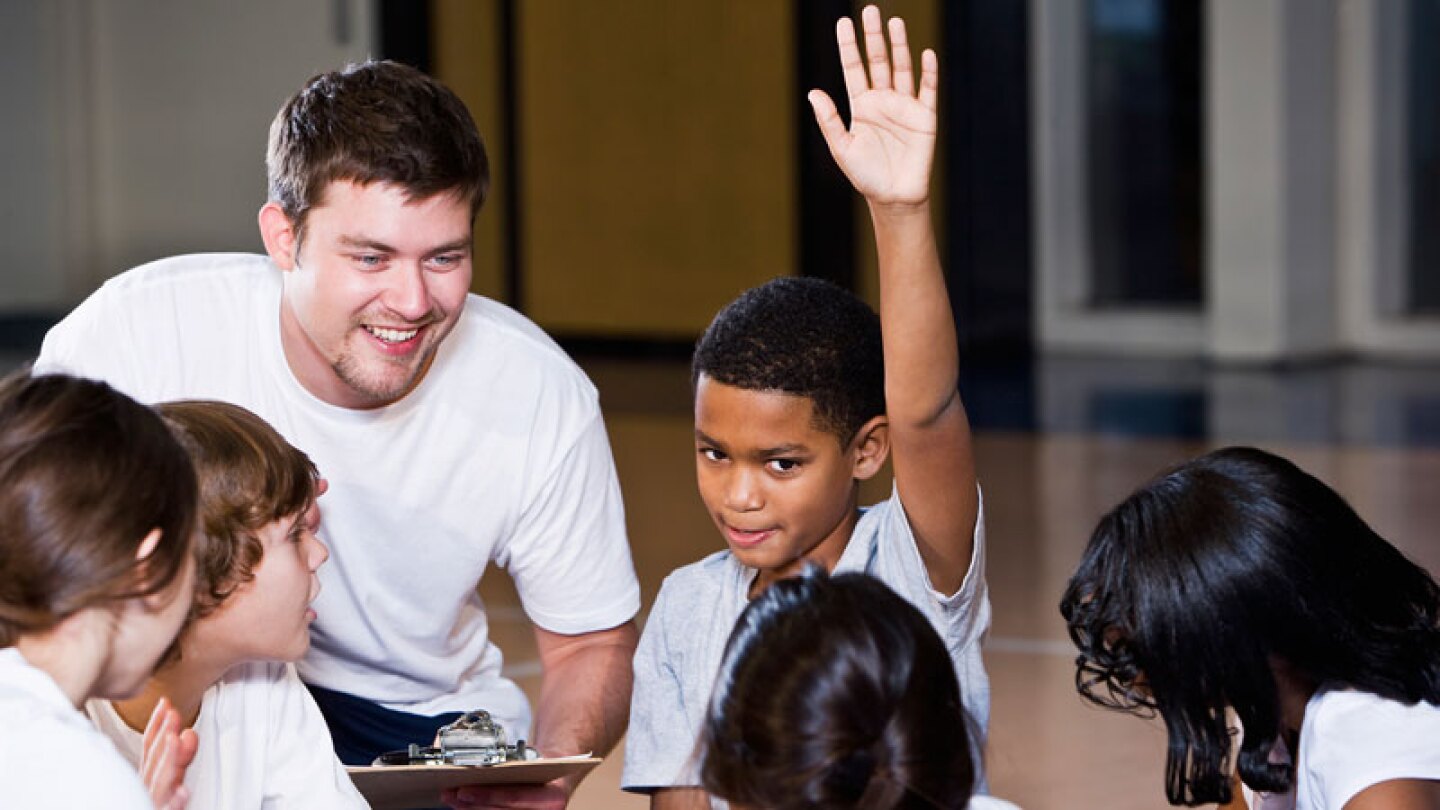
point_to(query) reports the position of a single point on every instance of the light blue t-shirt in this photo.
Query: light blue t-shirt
(684, 640)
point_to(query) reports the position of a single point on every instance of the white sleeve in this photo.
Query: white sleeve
(94, 341)
(1357, 739)
(569, 555)
(660, 745)
(303, 771)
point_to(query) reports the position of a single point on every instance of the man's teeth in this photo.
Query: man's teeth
(391, 335)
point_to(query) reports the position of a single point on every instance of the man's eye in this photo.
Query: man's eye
(447, 260)
(369, 259)
(783, 465)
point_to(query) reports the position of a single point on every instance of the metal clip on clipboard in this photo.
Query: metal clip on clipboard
(473, 740)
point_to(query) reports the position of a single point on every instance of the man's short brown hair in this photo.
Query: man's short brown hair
(374, 122)
(249, 477)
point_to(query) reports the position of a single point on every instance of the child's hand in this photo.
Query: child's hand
(888, 151)
(166, 752)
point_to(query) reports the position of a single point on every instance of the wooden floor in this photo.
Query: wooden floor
(1048, 750)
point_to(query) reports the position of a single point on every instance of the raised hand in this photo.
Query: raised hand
(889, 148)
(166, 752)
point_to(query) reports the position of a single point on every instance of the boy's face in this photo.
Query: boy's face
(268, 618)
(779, 489)
(374, 286)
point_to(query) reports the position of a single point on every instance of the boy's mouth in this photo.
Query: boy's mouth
(743, 538)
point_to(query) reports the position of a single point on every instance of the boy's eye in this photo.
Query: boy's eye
(711, 454)
(783, 465)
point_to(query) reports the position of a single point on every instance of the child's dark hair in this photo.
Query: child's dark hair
(85, 474)
(836, 692)
(800, 336)
(249, 477)
(1194, 586)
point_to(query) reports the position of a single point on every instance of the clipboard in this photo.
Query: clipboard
(397, 787)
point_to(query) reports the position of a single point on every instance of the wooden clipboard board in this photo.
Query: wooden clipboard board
(397, 787)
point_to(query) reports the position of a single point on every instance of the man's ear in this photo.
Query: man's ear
(278, 233)
(871, 446)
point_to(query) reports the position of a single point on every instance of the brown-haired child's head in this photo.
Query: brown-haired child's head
(86, 474)
(249, 477)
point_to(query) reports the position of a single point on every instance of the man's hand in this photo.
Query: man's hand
(891, 142)
(166, 752)
(552, 796)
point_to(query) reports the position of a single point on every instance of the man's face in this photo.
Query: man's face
(779, 489)
(377, 283)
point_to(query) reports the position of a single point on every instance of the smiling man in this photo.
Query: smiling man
(453, 432)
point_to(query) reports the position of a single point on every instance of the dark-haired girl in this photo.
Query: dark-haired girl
(1239, 586)
(836, 692)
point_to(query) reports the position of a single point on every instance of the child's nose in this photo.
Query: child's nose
(319, 553)
(743, 493)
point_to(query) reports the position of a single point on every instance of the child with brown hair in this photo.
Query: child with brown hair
(261, 739)
(97, 510)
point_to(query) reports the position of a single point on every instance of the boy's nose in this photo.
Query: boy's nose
(319, 552)
(743, 494)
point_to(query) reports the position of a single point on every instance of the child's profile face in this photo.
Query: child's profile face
(268, 618)
(779, 489)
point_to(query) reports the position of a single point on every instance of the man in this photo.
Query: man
(452, 431)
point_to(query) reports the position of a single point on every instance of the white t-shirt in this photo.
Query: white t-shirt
(1351, 740)
(263, 745)
(683, 644)
(498, 454)
(50, 755)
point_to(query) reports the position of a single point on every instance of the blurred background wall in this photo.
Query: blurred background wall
(1221, 183)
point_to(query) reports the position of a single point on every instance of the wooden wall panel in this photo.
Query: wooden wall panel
(657, 161)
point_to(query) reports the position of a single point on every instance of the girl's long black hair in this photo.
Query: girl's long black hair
(1197, 584)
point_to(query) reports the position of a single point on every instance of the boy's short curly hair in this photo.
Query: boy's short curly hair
(249, 477)
(800, 336)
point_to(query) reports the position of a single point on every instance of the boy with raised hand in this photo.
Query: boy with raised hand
(797, 400)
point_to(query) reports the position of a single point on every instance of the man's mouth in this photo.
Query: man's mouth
(391, 336)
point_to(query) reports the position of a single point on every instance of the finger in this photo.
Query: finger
(180, 799)
(832, 128)
(152, 726)
(187, 745)
(875, 54)
(929, 79)
(850, 63)
(900, 56)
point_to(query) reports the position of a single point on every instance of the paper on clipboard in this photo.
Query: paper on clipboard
(396, 787)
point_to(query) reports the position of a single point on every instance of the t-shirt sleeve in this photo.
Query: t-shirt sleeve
(569, 555)
(964, 609)
(1359, 740)
(303, 771)
(660, 746)
(93, 341)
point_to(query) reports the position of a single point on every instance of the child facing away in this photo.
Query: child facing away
(261, 739)
(866, 714)
(97, 511)
(1239, 584)
(797, 400)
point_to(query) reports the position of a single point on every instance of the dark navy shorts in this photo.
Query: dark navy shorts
(363, 730)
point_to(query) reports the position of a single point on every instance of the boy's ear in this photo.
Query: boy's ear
(871, 447)
(278, 233)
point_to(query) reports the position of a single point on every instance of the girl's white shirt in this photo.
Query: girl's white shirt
(50, 754)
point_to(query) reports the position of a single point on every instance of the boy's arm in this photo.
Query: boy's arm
(887, 155)
(679, 799)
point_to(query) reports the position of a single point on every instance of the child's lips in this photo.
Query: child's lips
(742, 538)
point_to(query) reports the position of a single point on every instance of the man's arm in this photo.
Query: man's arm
(887, 155)
(584, 706)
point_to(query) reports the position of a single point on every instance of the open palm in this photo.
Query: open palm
(888, 150)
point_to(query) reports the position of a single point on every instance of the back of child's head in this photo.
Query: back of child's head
(836, 692)
(805, 337)
(249, 477)
(1197, 584)
(86, 473)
